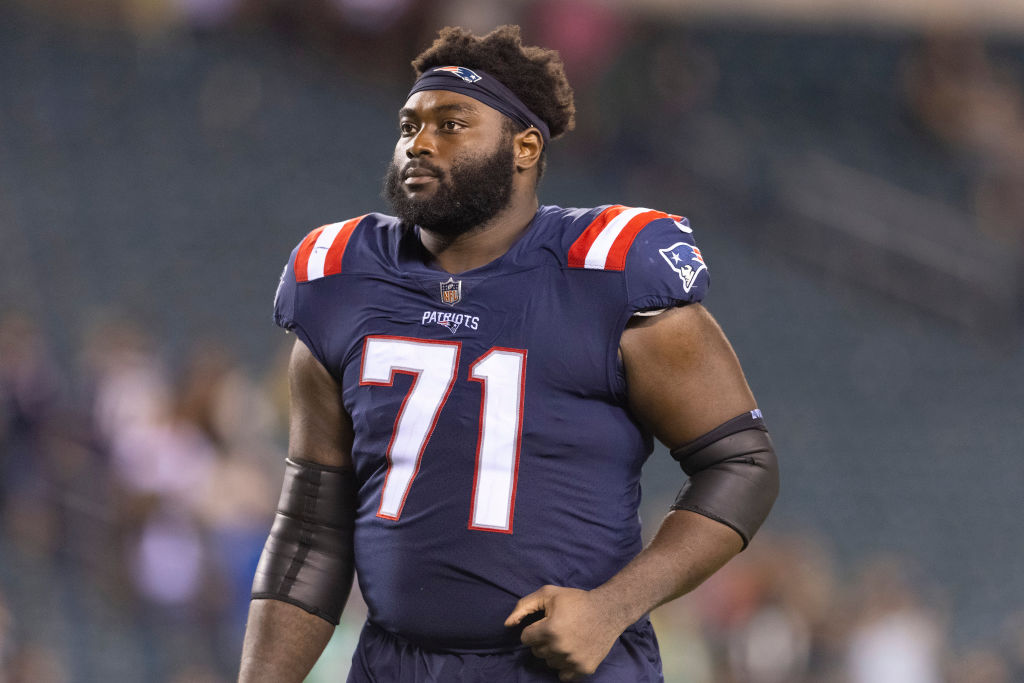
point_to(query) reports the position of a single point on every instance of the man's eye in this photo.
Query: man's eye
(451, 125)
(407, 128)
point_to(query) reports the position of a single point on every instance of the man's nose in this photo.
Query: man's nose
(421, 143)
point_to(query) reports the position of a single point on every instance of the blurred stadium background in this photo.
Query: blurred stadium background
(855, 175)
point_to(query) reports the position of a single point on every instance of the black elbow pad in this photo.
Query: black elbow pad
(308, 559)
(733, 474)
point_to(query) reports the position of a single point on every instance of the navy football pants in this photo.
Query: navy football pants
(382, 657)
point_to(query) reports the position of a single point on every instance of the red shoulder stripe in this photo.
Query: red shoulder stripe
(302, 257)
(322, 251)
(332, 264)
(616, 259)
(578, 250)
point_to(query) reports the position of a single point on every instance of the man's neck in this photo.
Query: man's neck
(484, 243)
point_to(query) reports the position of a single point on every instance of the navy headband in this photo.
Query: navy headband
(484, 88)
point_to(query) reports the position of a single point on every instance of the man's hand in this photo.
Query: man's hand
(575, 634)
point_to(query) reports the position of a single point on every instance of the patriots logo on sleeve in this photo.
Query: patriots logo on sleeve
(686, 260)
(462, 72)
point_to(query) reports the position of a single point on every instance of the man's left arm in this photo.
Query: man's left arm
(683, 381)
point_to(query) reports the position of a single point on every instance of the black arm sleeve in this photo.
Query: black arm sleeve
(308, 559)
(733, 474)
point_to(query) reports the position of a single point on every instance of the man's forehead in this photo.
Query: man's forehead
(443, 101)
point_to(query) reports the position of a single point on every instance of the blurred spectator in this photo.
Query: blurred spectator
(894, 638)
(780, 641)
(975, 105)
(29, 395)
(237, 498)
(129, 383)
(766, 613)
(960, 95)
(219, 397)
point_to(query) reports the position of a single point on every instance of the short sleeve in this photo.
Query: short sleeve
(664, 267)
(284, 298)
(290, 301)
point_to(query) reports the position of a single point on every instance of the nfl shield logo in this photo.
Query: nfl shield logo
(451, 291)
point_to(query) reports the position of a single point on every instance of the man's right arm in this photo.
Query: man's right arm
(282, 640)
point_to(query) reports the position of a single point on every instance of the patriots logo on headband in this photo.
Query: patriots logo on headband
(460, 72)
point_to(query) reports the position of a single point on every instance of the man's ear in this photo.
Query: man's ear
(527, 146)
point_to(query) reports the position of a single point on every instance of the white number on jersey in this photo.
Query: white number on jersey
(434, 364)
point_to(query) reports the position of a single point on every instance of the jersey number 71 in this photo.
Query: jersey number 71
(434, 366)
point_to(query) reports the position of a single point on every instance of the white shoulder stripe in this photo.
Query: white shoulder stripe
(315, 269)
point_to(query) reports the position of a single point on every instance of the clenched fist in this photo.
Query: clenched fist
(575, 633)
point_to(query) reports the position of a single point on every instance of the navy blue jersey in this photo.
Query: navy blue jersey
(493, 445)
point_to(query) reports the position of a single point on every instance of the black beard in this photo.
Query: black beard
(472, 193)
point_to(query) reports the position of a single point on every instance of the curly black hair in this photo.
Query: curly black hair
(536, 75)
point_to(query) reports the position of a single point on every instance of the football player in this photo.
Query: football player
(474, 390)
